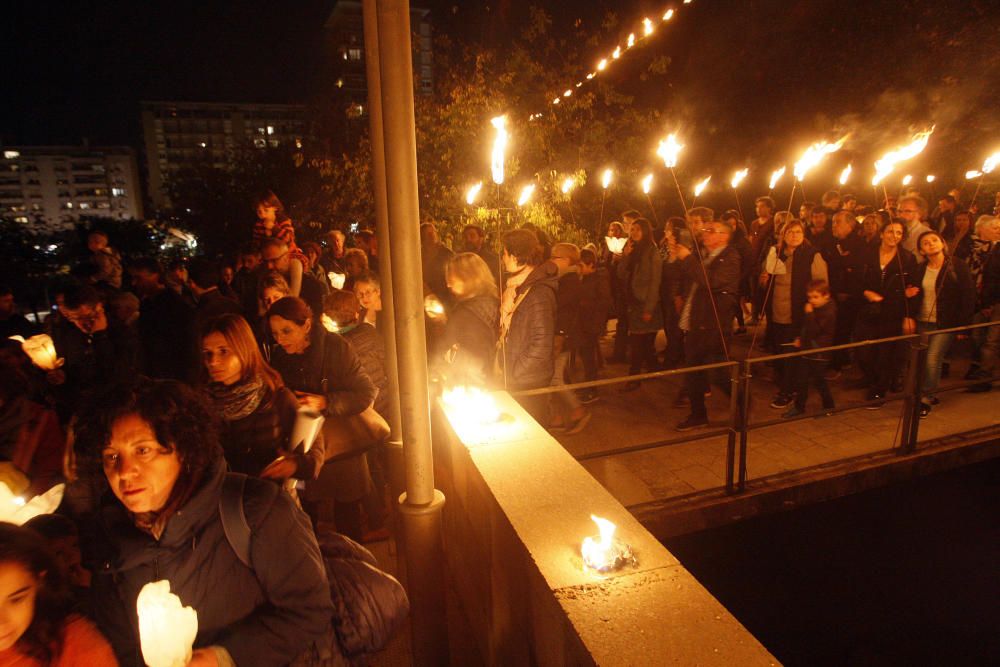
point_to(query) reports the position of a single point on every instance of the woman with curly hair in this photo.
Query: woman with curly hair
(36, 625)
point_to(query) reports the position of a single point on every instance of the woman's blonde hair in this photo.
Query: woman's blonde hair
(241, 341)
(474, 274)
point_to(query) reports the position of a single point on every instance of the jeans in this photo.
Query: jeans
(568, 398)
(937, 347)
(988, 339)
(810, 371)
(784, 369)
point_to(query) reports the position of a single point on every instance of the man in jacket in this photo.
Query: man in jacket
(166, 325)
(715, 284)
(203, 280)
(843, 266)
(761, 238)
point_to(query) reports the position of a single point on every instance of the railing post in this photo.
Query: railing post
(734, 420)
(744, 422)
(912, 394)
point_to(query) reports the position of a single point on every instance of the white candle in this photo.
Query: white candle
(167, 629)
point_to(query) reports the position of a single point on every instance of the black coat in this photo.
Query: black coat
(844, 264)
(473, 325)
(724, 273)
(330, 368)
(528, 348)
(212, 304)
(264, 616)
(92, 362)
(889, 283)
(595, 302)
(367, 343)
(168, 337)
(568, 309)
(955, 295)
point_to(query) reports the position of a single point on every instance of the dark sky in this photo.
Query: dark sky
(754, 71)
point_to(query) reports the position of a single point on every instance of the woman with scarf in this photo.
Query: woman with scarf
(257, 412)
(639, 273)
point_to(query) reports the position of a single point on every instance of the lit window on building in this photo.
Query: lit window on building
(270, 129)
(83, 205)
(298, 142)
(11, 155)
(354, 54)
(21, 218)
(117, 192)
(340, 83)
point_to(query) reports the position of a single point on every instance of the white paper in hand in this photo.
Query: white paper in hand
(308, 422)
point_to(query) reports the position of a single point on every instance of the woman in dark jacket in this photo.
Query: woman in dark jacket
(888, 285)
(469, 341)
(161, 458)
(527, 317)
(257, 411)
(640, 271)
(947, 299)
(326, 375)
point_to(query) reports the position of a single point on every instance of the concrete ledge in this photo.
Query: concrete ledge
(518, 508)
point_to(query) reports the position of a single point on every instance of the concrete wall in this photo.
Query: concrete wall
(518, 506)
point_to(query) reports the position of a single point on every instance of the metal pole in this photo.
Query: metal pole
(387, 322)
(911, 395)
(421, 505)
(734, 424)
(741, 483)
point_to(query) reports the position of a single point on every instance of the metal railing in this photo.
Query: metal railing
(738, 425)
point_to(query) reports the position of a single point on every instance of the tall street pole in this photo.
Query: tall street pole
(421, 505)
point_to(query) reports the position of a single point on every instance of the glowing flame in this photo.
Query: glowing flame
(602, 65)
(329, 324)
(433, 307)
(776, 176)
(698, 189)
(591, 75)
(600, 554)
(669, 149)
(631, 41)
(568, 92)
(889, 161)
(499, 148)
(973, 174)
(167, 629)
(617, 53)
(568, 185)
(668, 15)
(647, 27)
(907, 179)
(738, 177)
(473, 193)
(814, 155)
(991, 163)
(41, 350)
(931, 178)
(526, 193)
(606, 178)
(476, 417)
(846, 174)
(337, 280)
(557, 100)
(647, 183)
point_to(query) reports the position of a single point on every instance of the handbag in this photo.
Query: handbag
(346, 436)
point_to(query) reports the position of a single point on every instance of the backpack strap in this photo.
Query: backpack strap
(234, 518)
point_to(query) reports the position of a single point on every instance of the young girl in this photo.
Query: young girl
(36, 627)
(273, 222)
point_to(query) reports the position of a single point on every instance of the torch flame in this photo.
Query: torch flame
(969, 175)
(647, 27)
(698, 189)
(738, 177)
(931, 178)
(568, 92)
(526, 193)
(846, 174)
(814, 155)
(602, 65)
(776, 176)
(473, 193)
(991, 163)
(907, 179)
(499, 147)
(631, 41)
(889, 161)
(668, 15)
(617, 53)
(568, 185)
(669, 149)
(647, 183)
(606, 178)
(591, 76)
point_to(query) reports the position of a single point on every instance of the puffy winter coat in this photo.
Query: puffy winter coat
(528, 347)
(473, 325)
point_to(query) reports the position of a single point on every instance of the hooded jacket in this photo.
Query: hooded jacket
(528, 347)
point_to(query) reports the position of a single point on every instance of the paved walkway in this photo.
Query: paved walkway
(647, 415)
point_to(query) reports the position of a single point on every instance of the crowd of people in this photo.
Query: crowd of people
(174, 376)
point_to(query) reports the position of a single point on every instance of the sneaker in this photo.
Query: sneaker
(575, 427)
(691, 422)
(781, 401)
(793, 411)
(925, 410)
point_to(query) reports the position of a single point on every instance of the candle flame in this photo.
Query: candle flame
(473, 193)
(631, 40)
(814, 155)
(738, 177)
(846, 174)
(606, 178)
(471, 404)
(602, 65)
(597, 553)
(885, 166)
(568, 185)
(931, 178)
(433, 307)
(973, 174)
(526, 193)
(669, 149)
(647, 27)
(991, 163)
(499, 148)
(776, 176)
(698, 189)
(907, 179)
(647, 183)
(669, 14)
(41, 350)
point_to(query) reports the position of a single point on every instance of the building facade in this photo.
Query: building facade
(57, 185)
(345, 49)
(183, 135)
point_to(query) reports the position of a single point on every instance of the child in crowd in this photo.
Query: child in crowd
(37, 626)
(595, 301)
(273, 222)
(818, 328)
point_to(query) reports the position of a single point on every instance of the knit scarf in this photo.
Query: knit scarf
(510, 296)
(238, 400)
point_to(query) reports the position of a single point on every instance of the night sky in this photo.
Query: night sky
(755, 78)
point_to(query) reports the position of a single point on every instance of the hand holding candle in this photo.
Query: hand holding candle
(167, 629)
(41, 350)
